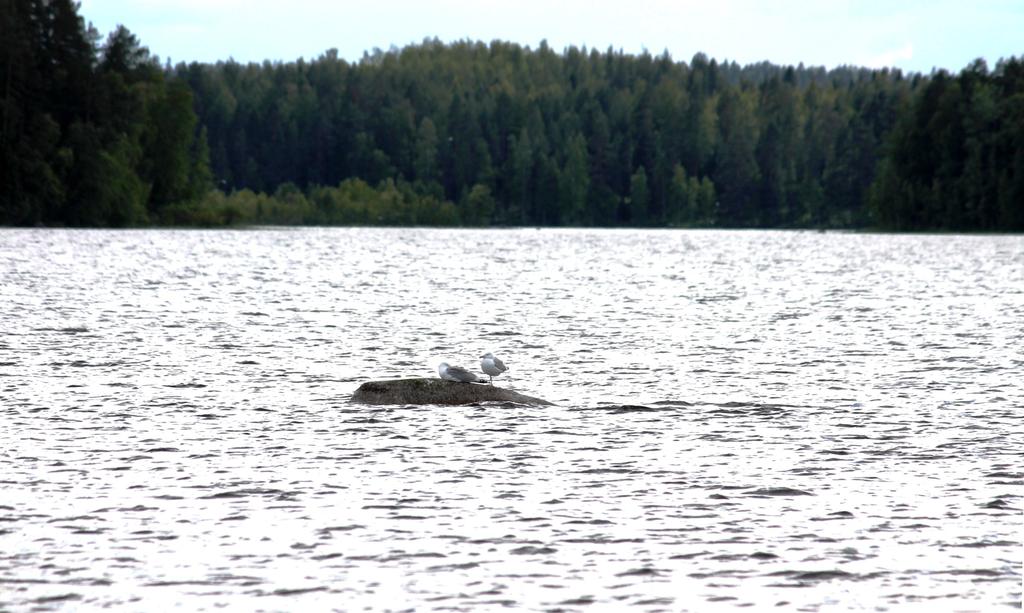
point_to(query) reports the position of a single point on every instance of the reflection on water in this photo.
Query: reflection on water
(814, 421)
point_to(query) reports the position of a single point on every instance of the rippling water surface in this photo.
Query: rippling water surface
(743, 419)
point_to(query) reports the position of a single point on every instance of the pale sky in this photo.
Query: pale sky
(913, 35)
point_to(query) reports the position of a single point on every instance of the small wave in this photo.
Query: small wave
(778, 491)
(244, 493)
(66, 330)
(529, 550)
(641, 572)
(57, 598)
(818, 575)
(297, 591)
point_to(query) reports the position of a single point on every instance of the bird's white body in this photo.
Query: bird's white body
(455, 373)
(492, 366)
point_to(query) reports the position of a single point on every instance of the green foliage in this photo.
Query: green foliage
(353, 202)
(737, 169)
(954, 159)
(89, 135)
(639, 198)
(478, 206)
(475, 134)
(691, 201)
(168, 141)
(574, 183)
(108, 191)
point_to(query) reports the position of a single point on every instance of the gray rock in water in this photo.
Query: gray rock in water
(435, 391)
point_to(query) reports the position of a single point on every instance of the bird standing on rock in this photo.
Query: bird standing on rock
(492, 366)
(455, 373)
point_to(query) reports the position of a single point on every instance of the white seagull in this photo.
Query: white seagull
(492, 366)
(455, 373)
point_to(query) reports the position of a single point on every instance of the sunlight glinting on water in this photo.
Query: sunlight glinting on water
(794, 420)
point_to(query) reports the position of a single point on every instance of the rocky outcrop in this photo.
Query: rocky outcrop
(436, 391)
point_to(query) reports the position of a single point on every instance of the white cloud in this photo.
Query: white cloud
(889, 58)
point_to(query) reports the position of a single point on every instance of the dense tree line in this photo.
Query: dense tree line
(956, 156)
(478, 134)
(90, 134)
(515, 136)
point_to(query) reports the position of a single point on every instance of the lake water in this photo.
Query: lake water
(760, 420)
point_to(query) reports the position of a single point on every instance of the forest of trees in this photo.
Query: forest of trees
(100, 134)
(90, 134)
